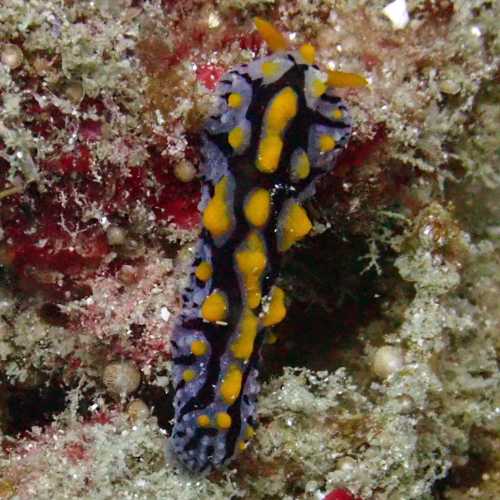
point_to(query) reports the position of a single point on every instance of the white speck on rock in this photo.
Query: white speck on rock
(387, 360)
(475, 31)
(165, 314)
(397, 13)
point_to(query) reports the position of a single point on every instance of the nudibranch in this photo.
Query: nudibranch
(278, 128)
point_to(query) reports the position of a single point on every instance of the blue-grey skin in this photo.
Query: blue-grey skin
(203, 449)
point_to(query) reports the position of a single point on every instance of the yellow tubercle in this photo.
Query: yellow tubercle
(188, 375)
(203, 420)
(269, 153)
(242, 445)
(223, 420)
(270, 68)
(231, 385)
(247, 331)
(255, 241)
(274, 39)
(337, 114)
(257, 207)
(281, 110)
(326, 143)
(251, 261)
(277, 309)
(204, 271)
(214, 307)
(251, 264)
(234, 100)
(295, 226)
(318, 87)
(308, 53)
(217, 217)
(249, 432)
(271, 338)
(198, 347)
(236, 137)
(301, 167)
(343, 79)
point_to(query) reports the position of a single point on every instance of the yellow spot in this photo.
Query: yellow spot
(295, 226)
(189, 375)
(236, 137)
(301, 167)
(270, 68)
(271, 338)
(257, 207)
(204, 271)
(269, 153)
(270, 34)
(281, 110)
(308, 53)
(231, 385)
(318, 87)
(217, 217)
(326, 143)
(242, 445)
(342, 79)
(251, 261)
(243, 346)
(234, 100)
(277, 309)
(203, 420)
(214, 307)
(223, 420)
(337, 114)
(198, 347)
(249, 432)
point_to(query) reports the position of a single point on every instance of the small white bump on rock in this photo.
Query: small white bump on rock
(450, 87)
(74, 91)
(12, 56)
(121, 378)
(397, 12)
(345, 464)
(165, 314)
(116, 235)
(387, 360)
(138, 410)
(406, 404)
(184, 171)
